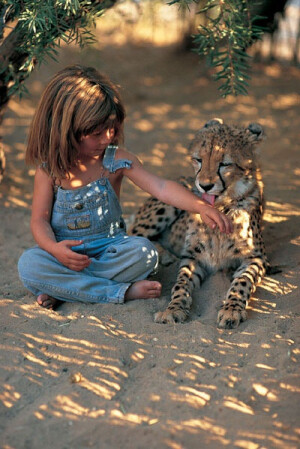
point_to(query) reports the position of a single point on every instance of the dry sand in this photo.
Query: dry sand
(107, 376)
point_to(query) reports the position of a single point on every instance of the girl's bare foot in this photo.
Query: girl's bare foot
(143, 290)
(47, 301)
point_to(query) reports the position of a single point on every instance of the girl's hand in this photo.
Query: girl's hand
(70, 259)
(212, 217)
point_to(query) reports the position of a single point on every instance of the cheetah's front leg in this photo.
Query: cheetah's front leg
(190, 275)
(233, 311)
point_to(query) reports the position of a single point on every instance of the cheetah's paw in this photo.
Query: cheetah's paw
(169, 316)
(229, 317)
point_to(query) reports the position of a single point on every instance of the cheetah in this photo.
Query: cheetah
(227, 175)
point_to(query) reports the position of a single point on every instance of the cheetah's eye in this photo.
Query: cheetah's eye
(197, 162)
(225, 164)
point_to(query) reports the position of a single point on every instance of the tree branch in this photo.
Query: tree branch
(14, 49)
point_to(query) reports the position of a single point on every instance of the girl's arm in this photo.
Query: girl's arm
(41, 227)
(41, 211)
(170, 192)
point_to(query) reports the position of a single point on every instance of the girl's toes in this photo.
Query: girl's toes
(47, 301)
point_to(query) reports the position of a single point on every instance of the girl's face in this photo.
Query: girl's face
(94, 144)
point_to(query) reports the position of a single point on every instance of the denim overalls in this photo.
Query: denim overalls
(93, 214)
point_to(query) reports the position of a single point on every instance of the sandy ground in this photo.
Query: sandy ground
(107, 376)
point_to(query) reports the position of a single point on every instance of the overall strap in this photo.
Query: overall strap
(109, 162)
(109, 157)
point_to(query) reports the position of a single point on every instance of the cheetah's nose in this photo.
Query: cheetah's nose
(206, 187)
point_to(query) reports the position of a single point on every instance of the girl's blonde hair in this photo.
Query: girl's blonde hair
(77, 101)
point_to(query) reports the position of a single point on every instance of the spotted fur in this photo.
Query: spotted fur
(225, 164)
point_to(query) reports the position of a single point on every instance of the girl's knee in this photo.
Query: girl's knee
(29, 262)
(147, 252)
(24, 263)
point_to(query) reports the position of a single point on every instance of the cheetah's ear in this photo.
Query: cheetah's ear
(214, 121)
(256, 132)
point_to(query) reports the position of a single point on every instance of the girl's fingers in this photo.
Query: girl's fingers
(78, 257)
(78, 262)
(71, 243)
(76, 267)
(219, 221)
(222, 221)
(227, 224)
(211, 223)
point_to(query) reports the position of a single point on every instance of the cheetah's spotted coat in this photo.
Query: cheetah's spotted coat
(225, 168)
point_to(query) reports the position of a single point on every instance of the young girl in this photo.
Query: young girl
(83, 252)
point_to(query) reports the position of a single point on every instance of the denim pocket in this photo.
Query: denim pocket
(79, 222)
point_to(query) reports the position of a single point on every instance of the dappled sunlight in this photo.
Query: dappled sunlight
(262, 397)
(287, 340)
(77, 364)
(23, 109)
(144, 125)
(64, 407)
(147, 22)
(265, 392)
(262, 366)
(16, 188)
(106, 391)
(284, 101)
(258, 440)
(172, 444)
(229, 344)
(262, 306)
(152, 81)
(9, 396)
(158, 111)
(83, 371)
(54, 354)
(31, 311)
(289, 387)
(277, 212)
(12, 201)
(90, 378)
(239, 406)
(191, 396)
(114, 330)
(169, 126)
(276, 287)
(206, 424)
(198, 361)
(176, 125)
(246, 109)
(117, 417)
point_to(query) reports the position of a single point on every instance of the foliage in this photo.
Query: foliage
(228, 31)
(31, 30)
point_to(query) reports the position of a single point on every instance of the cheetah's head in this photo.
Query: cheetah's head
(224, 158)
